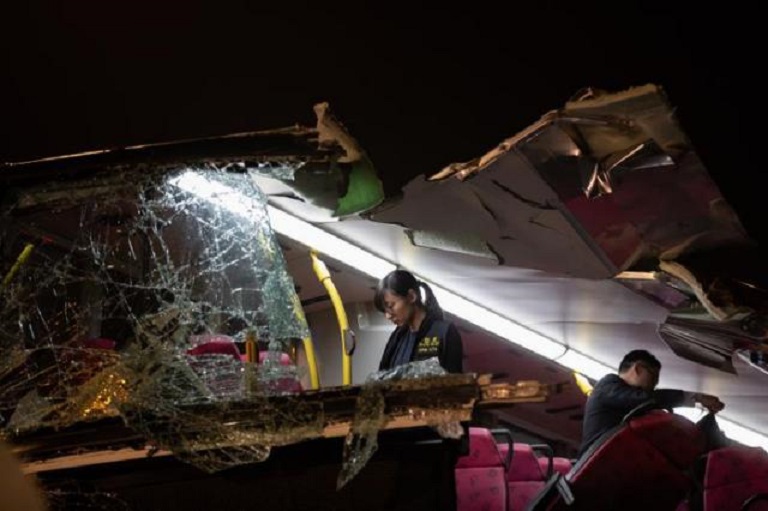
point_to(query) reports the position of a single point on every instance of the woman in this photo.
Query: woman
(421, 332)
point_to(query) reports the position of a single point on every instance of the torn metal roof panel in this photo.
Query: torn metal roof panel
(606, 186)
(511, 208)
(612, 176)
(322, 165)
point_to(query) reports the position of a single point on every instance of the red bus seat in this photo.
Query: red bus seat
(733, 475)
(525, 478)
(640, 465)
(210, 344)
(549, 463)
(480, 475)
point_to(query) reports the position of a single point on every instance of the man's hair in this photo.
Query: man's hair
(635, 356)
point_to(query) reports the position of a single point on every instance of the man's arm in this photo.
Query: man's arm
(674, 398)
(669, 398)
(614, 393)
(617, 394)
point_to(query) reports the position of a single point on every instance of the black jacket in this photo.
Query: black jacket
(435, 337)
(613, 398)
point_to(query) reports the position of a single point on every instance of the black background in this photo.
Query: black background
(418, 85)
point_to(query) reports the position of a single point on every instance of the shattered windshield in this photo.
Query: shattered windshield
(134, 293)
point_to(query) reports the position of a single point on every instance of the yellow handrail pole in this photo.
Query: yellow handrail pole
(583, 383)
(309, 347)
(28, 248)
(341, 315)
(309, 350)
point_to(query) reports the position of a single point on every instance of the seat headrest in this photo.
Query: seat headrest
(216, 347)
(735, 464)
(677, 437)
(561, 465)
(285, 359)
(524, 465)
(483, 451)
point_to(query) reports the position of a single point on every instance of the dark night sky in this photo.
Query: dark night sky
(418, 87)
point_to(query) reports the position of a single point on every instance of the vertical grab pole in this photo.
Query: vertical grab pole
(309, 350)
(341, 315)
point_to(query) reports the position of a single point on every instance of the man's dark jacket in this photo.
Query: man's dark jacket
(613, 398)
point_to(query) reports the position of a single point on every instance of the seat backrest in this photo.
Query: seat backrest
(757, 502)
(217, 344)
(524, 465)
(549, 463)
(525, 478)
(285, 359)
(212, 344)
(733, 475)
(288, 383)
(679, 438)
(631, 468)
(480, 477)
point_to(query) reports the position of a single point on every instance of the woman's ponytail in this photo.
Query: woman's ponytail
(430, 302)
(401, 282)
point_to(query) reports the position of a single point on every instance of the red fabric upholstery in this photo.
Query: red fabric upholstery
(635, 469)
(524, 465)
(285, 359)
(758, 503)
(559, 465)
(525, 478)
(544, 465)
(733, 475)
(483, 450)
(100, 343)
(211, 344)
(480, 484)
(282, 384)
(677, 437)
(521, 493)
(215, 344)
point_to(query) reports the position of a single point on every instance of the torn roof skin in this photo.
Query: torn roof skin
(612, 180)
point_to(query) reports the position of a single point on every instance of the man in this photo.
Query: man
(615, 396)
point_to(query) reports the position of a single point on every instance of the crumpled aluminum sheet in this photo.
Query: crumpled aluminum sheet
(713, 343)
(611, 179)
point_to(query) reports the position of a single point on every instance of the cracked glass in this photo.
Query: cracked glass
(371, 414)
(132, 292)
